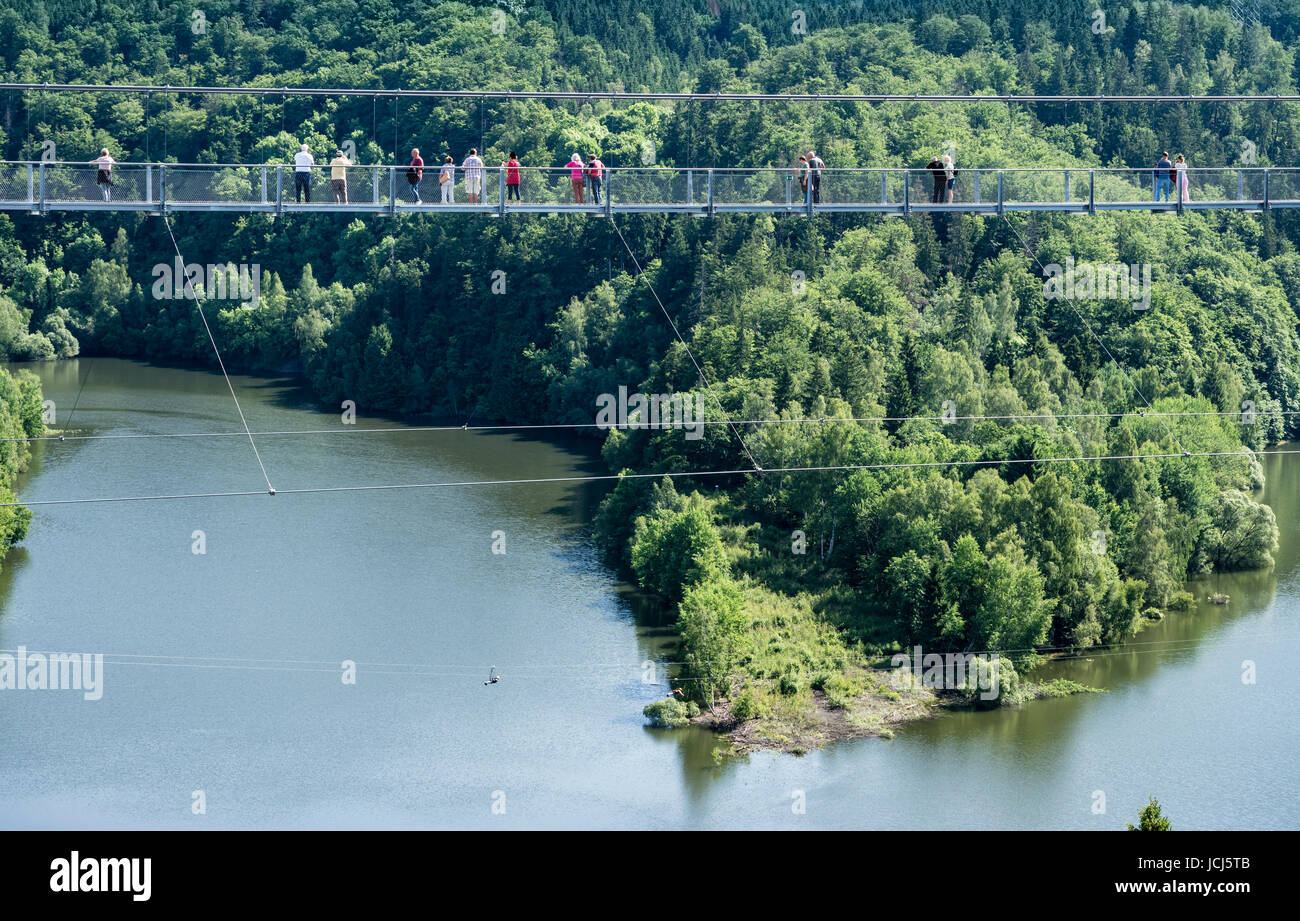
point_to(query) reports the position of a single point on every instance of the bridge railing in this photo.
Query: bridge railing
(384, 187)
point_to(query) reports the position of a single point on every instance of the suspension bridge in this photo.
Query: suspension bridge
(40, 187)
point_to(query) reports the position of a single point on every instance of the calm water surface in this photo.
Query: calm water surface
(223, 670)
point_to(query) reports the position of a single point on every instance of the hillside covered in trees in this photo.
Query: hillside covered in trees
(858, 332)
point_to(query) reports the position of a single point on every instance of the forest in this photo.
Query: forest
(922, 351)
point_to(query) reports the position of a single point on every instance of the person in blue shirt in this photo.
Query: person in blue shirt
(1160, 175)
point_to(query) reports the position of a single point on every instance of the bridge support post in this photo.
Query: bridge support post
(1067, 187)
(1241, 186)
(162, 189)
(374, 182)
(884, 187)
(609, 194)
(42, 187)
(148, 183)
(1092, 192)
(977, 187)
(907, 192)
(1267, 205)
(789, 191)
(1002, 205)
(279, 190)
(264, 185)
(31, 184)
(501, 192)
(392, 190)
(690, 187)
(710, 181)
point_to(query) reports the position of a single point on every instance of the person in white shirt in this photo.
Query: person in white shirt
(104, 174)
(303, 161)
(473, 169)
(447, 180)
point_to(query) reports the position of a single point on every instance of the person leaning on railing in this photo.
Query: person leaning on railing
(447, 180)
(596, 175)
(303, 161)
(472, 168)
(577, 170)
(512, 177)
(339, 177)
(104, 174)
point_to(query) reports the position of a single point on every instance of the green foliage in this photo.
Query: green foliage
(20, 419)
(675, 548)
(715, 635)
(937, 542)
(747, 706)
(668, 713)
(1151, 818)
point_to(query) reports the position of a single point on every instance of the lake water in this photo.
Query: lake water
(223, 669)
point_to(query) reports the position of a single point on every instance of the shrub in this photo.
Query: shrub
(669, 713)
(746, 707)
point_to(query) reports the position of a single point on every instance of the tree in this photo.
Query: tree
(676, 548)
(715, 634)
(1242, 534)
(1151, 818)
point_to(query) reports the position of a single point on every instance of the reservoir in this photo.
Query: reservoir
(224, 670)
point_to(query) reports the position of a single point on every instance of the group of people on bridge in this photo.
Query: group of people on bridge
(588, 178)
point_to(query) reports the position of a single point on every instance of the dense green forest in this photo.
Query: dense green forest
(21, 418)
(887, 322)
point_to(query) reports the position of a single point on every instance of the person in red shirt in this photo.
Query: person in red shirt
(512, 177)
(595, 175)
(414, 173)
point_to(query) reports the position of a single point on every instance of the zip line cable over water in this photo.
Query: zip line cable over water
(504, 427)
(198, 302)
(686, 474)
(1049, 655)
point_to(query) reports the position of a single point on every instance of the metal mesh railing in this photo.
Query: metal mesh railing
(385, 187)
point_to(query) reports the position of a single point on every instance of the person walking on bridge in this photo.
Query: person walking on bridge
(414, 173)
(803, 177)
(339, 177)
(949, 178)
(303, 162)
(104, 173)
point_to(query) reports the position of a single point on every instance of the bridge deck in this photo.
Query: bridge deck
(41, 187)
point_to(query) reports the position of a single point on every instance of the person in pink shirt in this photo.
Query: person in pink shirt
(576, 169)
(512, 177)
